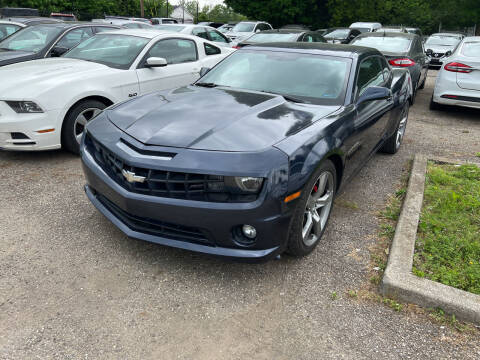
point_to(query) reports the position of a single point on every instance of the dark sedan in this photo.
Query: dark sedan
(402, 51)
(341, 35)
(246, 162)
(46, 40)
(282, 35)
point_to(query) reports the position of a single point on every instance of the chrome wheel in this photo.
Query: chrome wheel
(318, 208)
(402, 126)
(81, 121)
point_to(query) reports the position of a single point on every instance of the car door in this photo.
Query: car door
(183, 65)
(418, 56)
(371, 117)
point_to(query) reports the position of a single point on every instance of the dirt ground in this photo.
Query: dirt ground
(74, 287)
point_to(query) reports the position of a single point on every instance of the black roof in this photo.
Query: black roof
(388, 34)
(314, 48)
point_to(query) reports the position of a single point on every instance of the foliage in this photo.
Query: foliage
(448, 241)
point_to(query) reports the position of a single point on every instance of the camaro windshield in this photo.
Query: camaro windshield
(384, 43)
(114, 50)
(442, 41)
(243, 27)
(311, 78)
(176, 28)
(32, 38)
(337, 34)
(267, 37)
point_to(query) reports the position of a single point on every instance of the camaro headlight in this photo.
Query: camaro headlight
(235, 185)
(24, 107)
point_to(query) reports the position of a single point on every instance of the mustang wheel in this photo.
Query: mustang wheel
(75, 123)
(393, 143)
(313, 211)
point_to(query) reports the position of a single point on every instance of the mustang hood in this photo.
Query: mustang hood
(8, 57)
(214, 119)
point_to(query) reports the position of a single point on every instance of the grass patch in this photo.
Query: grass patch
(477, 154)
(447, 249)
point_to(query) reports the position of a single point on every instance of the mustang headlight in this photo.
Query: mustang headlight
(24, 107)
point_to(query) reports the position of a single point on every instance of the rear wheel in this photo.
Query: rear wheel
(75, 123)
(313, 211)
(422, 85)
(394, 142)
(434, 105)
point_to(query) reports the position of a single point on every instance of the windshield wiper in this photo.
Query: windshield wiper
(286, 97)
(206, 84)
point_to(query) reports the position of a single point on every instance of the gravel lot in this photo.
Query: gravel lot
(72, 286)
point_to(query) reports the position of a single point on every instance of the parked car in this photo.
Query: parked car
(63, 17)
(282, 35)
(441, 45)
(113, 17)
(246, 28)
(128, 24)
(341, 35)
(413, 30)
(46, 40)
(277, 130)
(159, 21)
(215, 25)
(46, 103)
(395, 29)
(226, 28)
(7, 28)
(402, 50)
(458, 81)
(366, 26)
(296, 27)
(205, 32)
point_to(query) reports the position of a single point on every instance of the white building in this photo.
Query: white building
(181, 14)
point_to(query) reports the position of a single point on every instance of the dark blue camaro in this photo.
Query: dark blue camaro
(246, 162)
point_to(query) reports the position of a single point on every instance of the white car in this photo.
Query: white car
(45, 104)
(245, 29)
(366, 26)
(458, 81)
(205, 32)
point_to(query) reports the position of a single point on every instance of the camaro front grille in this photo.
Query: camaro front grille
(161, 183)
(155, 227)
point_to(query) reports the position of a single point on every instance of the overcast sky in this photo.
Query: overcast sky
(210, 2)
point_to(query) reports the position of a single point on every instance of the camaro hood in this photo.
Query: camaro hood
(10, 57)
(214, 119)
(17, 79)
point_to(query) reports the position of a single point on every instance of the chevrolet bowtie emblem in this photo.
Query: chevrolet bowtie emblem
(131, 177)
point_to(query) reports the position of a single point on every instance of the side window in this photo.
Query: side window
(75, 37)
(369, 74)
(175, 51)
(211, 50)
(386, 69)
(308, 38)
(263, 27)
(200, 32)
(216, 36)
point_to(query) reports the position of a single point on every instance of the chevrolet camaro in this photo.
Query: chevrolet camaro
(246, 162)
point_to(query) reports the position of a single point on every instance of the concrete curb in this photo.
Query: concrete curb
(398, 280)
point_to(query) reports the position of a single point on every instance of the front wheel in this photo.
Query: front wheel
(313, 211)
(393, 143)
(75, 123)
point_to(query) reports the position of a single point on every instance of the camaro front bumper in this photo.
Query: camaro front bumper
(206, 227)
(35, 131)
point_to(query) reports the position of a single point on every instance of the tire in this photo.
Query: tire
(412, 98)
(422, 85)
(394, 142)
(298, 243)
(434, 105)
(75, 121)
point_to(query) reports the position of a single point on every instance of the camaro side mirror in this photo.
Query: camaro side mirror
(58, 51)
(374, 93)
(204, 71)
(155, 62)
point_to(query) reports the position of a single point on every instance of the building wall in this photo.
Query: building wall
(178, 14)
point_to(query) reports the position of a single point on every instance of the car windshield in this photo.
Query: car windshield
(337, 34)
(442, 41)
(271, 37)
(114, 50)
(363, 30)
(384, 43)
(7, 30)
(243, 27)
(175, 28)
(471, 49)
(311, 78)
(33, 38)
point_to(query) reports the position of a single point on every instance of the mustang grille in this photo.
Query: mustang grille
(156, 228)
(168, 184)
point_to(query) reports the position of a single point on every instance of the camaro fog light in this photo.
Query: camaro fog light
(24, 107)
(249, 231)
